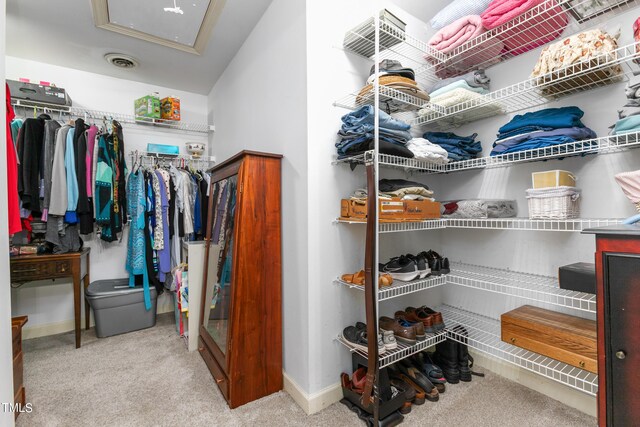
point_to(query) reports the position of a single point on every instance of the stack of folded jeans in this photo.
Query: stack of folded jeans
(357, 132)
(541, 129)
(458, 147)
(629, 116)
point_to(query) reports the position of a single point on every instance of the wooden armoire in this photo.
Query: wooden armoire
(240, 336)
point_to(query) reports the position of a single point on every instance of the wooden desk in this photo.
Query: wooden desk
(28, 268)
(19, 395)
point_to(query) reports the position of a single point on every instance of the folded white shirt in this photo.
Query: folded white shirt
(426, 150)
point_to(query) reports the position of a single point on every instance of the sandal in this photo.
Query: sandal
(414, 375)
(358, 279)
(431, 370)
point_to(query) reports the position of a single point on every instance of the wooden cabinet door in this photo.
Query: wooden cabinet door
(622, 339)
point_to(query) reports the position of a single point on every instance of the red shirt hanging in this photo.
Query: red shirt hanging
(12, 173)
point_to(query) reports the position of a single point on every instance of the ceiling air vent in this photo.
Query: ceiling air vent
(121, 60)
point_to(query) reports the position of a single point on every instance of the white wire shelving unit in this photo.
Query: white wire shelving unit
(516, 224)
(600, 71)
(536, 26)
(543, 289)
(602, 145)
(62, 112)
(403, 351)
(484, 336)
(399, 288)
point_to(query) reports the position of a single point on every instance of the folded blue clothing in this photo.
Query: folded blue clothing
(575, 133)
(626, 125)
(520, 131)
(448, 137)
(366, 115)
(391, 133)
(564, 117)
(344, 146)
(535, 143)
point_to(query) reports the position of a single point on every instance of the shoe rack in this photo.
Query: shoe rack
(484, 332)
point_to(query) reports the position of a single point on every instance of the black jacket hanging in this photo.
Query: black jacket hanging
(30, 146)
(83, 209)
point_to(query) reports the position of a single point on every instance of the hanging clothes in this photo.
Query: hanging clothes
(164, 254)
(13, 203)
(30, 144)
(58, 194)
(70, 215)
(136, 257)
(84, 209)
(50, 130)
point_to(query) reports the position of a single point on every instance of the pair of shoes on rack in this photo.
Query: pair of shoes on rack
(407, 372)
(356, 336)
(433, 372)
(432, 320)
(454, 358)
(358, 279)
(406, 267)
(404, 331)
(437, 264)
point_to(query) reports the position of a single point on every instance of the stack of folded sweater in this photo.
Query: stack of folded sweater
(396, 188)
(393, 75)
(479, 208)
(629, 116)
(357, 131)
(539, 129)
(464, 20)
(427, 151)
(458, 147)
(455, 90)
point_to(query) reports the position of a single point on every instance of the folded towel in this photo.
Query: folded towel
(460, 84)
(626, 125)
(457, 33)
(456, 10)
(563, 117)
(476, 78)
(548, 22)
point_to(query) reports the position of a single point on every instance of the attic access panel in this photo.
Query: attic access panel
(179, 24)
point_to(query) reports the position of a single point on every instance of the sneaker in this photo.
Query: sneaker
(401, 268)
(357, 338)
(421, 262)
(389, 340)
(382, 347)
(434, 263)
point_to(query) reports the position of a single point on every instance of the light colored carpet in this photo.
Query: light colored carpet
(148, 378)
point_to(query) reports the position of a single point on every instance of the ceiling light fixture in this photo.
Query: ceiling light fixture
(174, 9)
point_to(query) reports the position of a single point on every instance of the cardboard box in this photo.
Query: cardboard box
(569, 339)
(392, 210)
(170, 108)
(554, 178)
(147, 106)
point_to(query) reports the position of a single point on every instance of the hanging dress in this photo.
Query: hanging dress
(136, 262)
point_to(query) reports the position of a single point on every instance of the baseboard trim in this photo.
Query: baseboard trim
(55, 328)
(315, 402)
(564, 394)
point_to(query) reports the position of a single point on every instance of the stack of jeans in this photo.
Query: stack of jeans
(545, 128)
(357, 132)
(458, 147)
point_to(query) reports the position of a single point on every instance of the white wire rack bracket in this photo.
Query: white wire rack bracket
(533, 287)
(67, 111)
(483, 334)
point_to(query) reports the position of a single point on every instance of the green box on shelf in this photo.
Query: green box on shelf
(147, 107)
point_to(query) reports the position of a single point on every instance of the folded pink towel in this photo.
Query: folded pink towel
(457, 33)
(548, 22)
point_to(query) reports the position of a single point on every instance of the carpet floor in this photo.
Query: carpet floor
(148, 378)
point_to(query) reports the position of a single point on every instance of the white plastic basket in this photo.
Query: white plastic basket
(554, 203)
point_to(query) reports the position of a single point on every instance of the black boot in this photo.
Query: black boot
(446, 357)
(463, 354)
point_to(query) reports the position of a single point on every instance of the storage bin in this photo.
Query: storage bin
(554, 178)
(554, 203)
(118, 308)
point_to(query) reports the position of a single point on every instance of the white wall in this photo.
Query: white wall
(6, 352)
(259, 104)
(49, 305)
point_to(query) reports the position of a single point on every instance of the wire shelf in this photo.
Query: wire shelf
(484, 336)
(403, 351)
(536, 91)
(535, 27)
(526, 224)
(399, 288)
(67, 112)
(523, 285)
(394, 44)
(390, 100)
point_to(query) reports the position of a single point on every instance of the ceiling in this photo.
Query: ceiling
(63, 33)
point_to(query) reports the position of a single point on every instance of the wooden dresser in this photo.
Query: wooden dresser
(618, 304)
(18, 372)
(241, 315)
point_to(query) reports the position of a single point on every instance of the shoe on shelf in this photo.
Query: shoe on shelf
(357, 338)
(433, 262)
(396, 377)
(444, 262)
(401, 316)
(423, 361)
(358, 279)
(389, 340)
(411, 374)
(401, 268)
(417, 315)
(438, 322)
(405, 334)
(421, 262)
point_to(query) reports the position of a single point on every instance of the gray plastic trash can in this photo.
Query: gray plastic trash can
(118, 308)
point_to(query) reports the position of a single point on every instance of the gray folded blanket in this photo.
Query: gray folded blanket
(475, 78)
(479, 208)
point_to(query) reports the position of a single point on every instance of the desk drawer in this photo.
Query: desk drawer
(40, 270)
